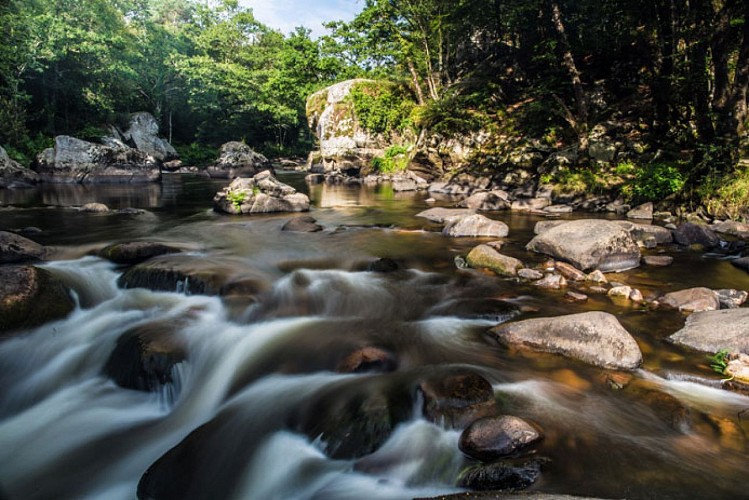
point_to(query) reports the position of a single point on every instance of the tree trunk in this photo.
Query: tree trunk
(662, 88)
(698, 77)
(415, 81)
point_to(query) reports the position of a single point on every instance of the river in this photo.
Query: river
(238, 420)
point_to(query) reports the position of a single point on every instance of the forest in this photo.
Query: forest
(673, 73)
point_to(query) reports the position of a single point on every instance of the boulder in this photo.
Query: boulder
(501, 476)
(135, 252)
(30, 296)
(569, 272)
(552, 282)
(484, 256)
(474, 226)
(383, 265)
(237, 159)
(367, 359)
(589, 244)
(645, 232)
(487, 201)
(144, 357)
(733, 228)
(594, 337)
(596, 277)
(143, 132)
(75, 161)
(657, 260)
(696, 234)
(400, 184)
(741, 263)
(530, 274)
(259, 194)
(575, 297)
(530, 204)
(691, 300)
(12, 174)
(731, 299)
(490, 438)
(644, 211)
(441, 215)
(456, 400)
(545, 225)
(711, 331)
(96, 208)
(302, 224)
(15, 248)
(558, 209)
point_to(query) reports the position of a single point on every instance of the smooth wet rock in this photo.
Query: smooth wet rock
(711, 331)
(484, 256)
(237, 159)
(456, 400)
(594, 337)
(552, 282)
(302, 224)
(474, 226)
(530, 274)
(487, 201)
(558, 209)
(696, 234)
(490, 438)
(95, 208)
(530, 204)
(135, 252)
(597, 277)
(544, 225)
(647, 235)
(367, 359)
(691, 300)
(404, 184)
(30, 296)
(12, 174)
(262, 193)
(657, 260)
(144, 357)
(569, 271)
(440, 215)
(636, 296)
(501, 476)
(589, 244)
(730, 298)
(644, 211)
(741, 263)
(75, 161)
(571, 296)
(16, 249)
(622, 292)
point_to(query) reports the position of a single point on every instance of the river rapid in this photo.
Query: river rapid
(243, 415)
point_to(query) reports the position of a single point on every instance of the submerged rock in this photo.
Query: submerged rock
(691, 300)
(262, 193)
(594, 337)
(144, 357)
(15, 249)
(30, 296)
(711, 331)
(302, 224)
(484, 256)
(456, 400)
(135, 252)
(589, 244)
(75, 161)
(367, 359)
(657, 260)
(237, 159)
(490, 438)
(501, 476)
(474, 226)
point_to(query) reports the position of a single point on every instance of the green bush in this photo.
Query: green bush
(395, 160)
(196, 154)
(656, 181)
(382, 107)
(25, 152)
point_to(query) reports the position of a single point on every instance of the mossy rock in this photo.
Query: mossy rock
(30, 296)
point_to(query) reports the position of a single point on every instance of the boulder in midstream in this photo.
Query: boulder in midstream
(16, 249)
(262, 193)
(490, 438)
(135, 252)
(457, 399)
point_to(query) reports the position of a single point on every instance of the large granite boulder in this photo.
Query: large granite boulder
(589, 244)
(12, 174)
(30, 296)
(691, 300)
(15, 249)
(135, 252)
(474, 226)
(711, 331)
(440, 215)
(262, 193)
(143, 132)
(344, 143)
(490, 438)
(75, 161)
(696, 234)
(485, 256)
(237, 159)
(594, 337)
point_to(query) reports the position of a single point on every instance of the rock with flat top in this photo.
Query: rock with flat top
(487, 201)
(711, 331)
(15, 249)
(262, 193)
(489, 438)
(440, 214)
(594, 337)
(644, 211)
(474, 226)
(691, 300)
(484, 256)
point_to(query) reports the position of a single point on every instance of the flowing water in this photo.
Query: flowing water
(241, 415)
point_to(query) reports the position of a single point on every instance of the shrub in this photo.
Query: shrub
(236, 198)
(382, 107)
(196, 154)
(395, 160)
(657, 181)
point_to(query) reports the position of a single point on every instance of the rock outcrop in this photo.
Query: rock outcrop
(344, 143)
(143, 133)
(30, 296)
(260, 194)
(12, 174)
(237, 159)
(594, 337)
(75, 161)
(589, 244)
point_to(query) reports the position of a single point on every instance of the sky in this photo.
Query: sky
(285, 15)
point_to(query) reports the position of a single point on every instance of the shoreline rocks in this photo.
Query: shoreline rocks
(13, 175)
(711, 331)
(237, 159)
(16, 249)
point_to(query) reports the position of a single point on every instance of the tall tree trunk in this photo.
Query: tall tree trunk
(415, 81)
(581, 103)
(699, 86)
(662, 88)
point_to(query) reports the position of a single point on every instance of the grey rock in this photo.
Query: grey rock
(594, 337)
(691, 300)
(490, 438)
(16, 249)
(559, 209)
(552, 282)
(731, 299)
(474, 226)
(657, 260)
(569, 272)
(530, 274)
(237, 159)
(530, 204)
(440, 215)
(143, 131)
(711, 331)
(696, 234)
(302, 224)
(545, 225)
(12, 174)
(262, 193)
(404, 184)
(487, 201)
(589, 244)
(575, 297)
(484, 256)
(644, 211)
(741, 263)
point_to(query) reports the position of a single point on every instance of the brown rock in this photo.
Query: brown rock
(30, 297)
(367, 359)
(569, 271)
(489, 438)
(657, 260)
(15, 249)
(691, 300)
(457, 400)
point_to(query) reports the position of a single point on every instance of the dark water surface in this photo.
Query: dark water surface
(257, 370)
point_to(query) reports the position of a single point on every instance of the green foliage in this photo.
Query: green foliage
(197, 154)
(382, 107)
(26, 150)
(719, 362)
(236, 198)
(657, 181)
(395, 160)
(452, 115)
(726, 195)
